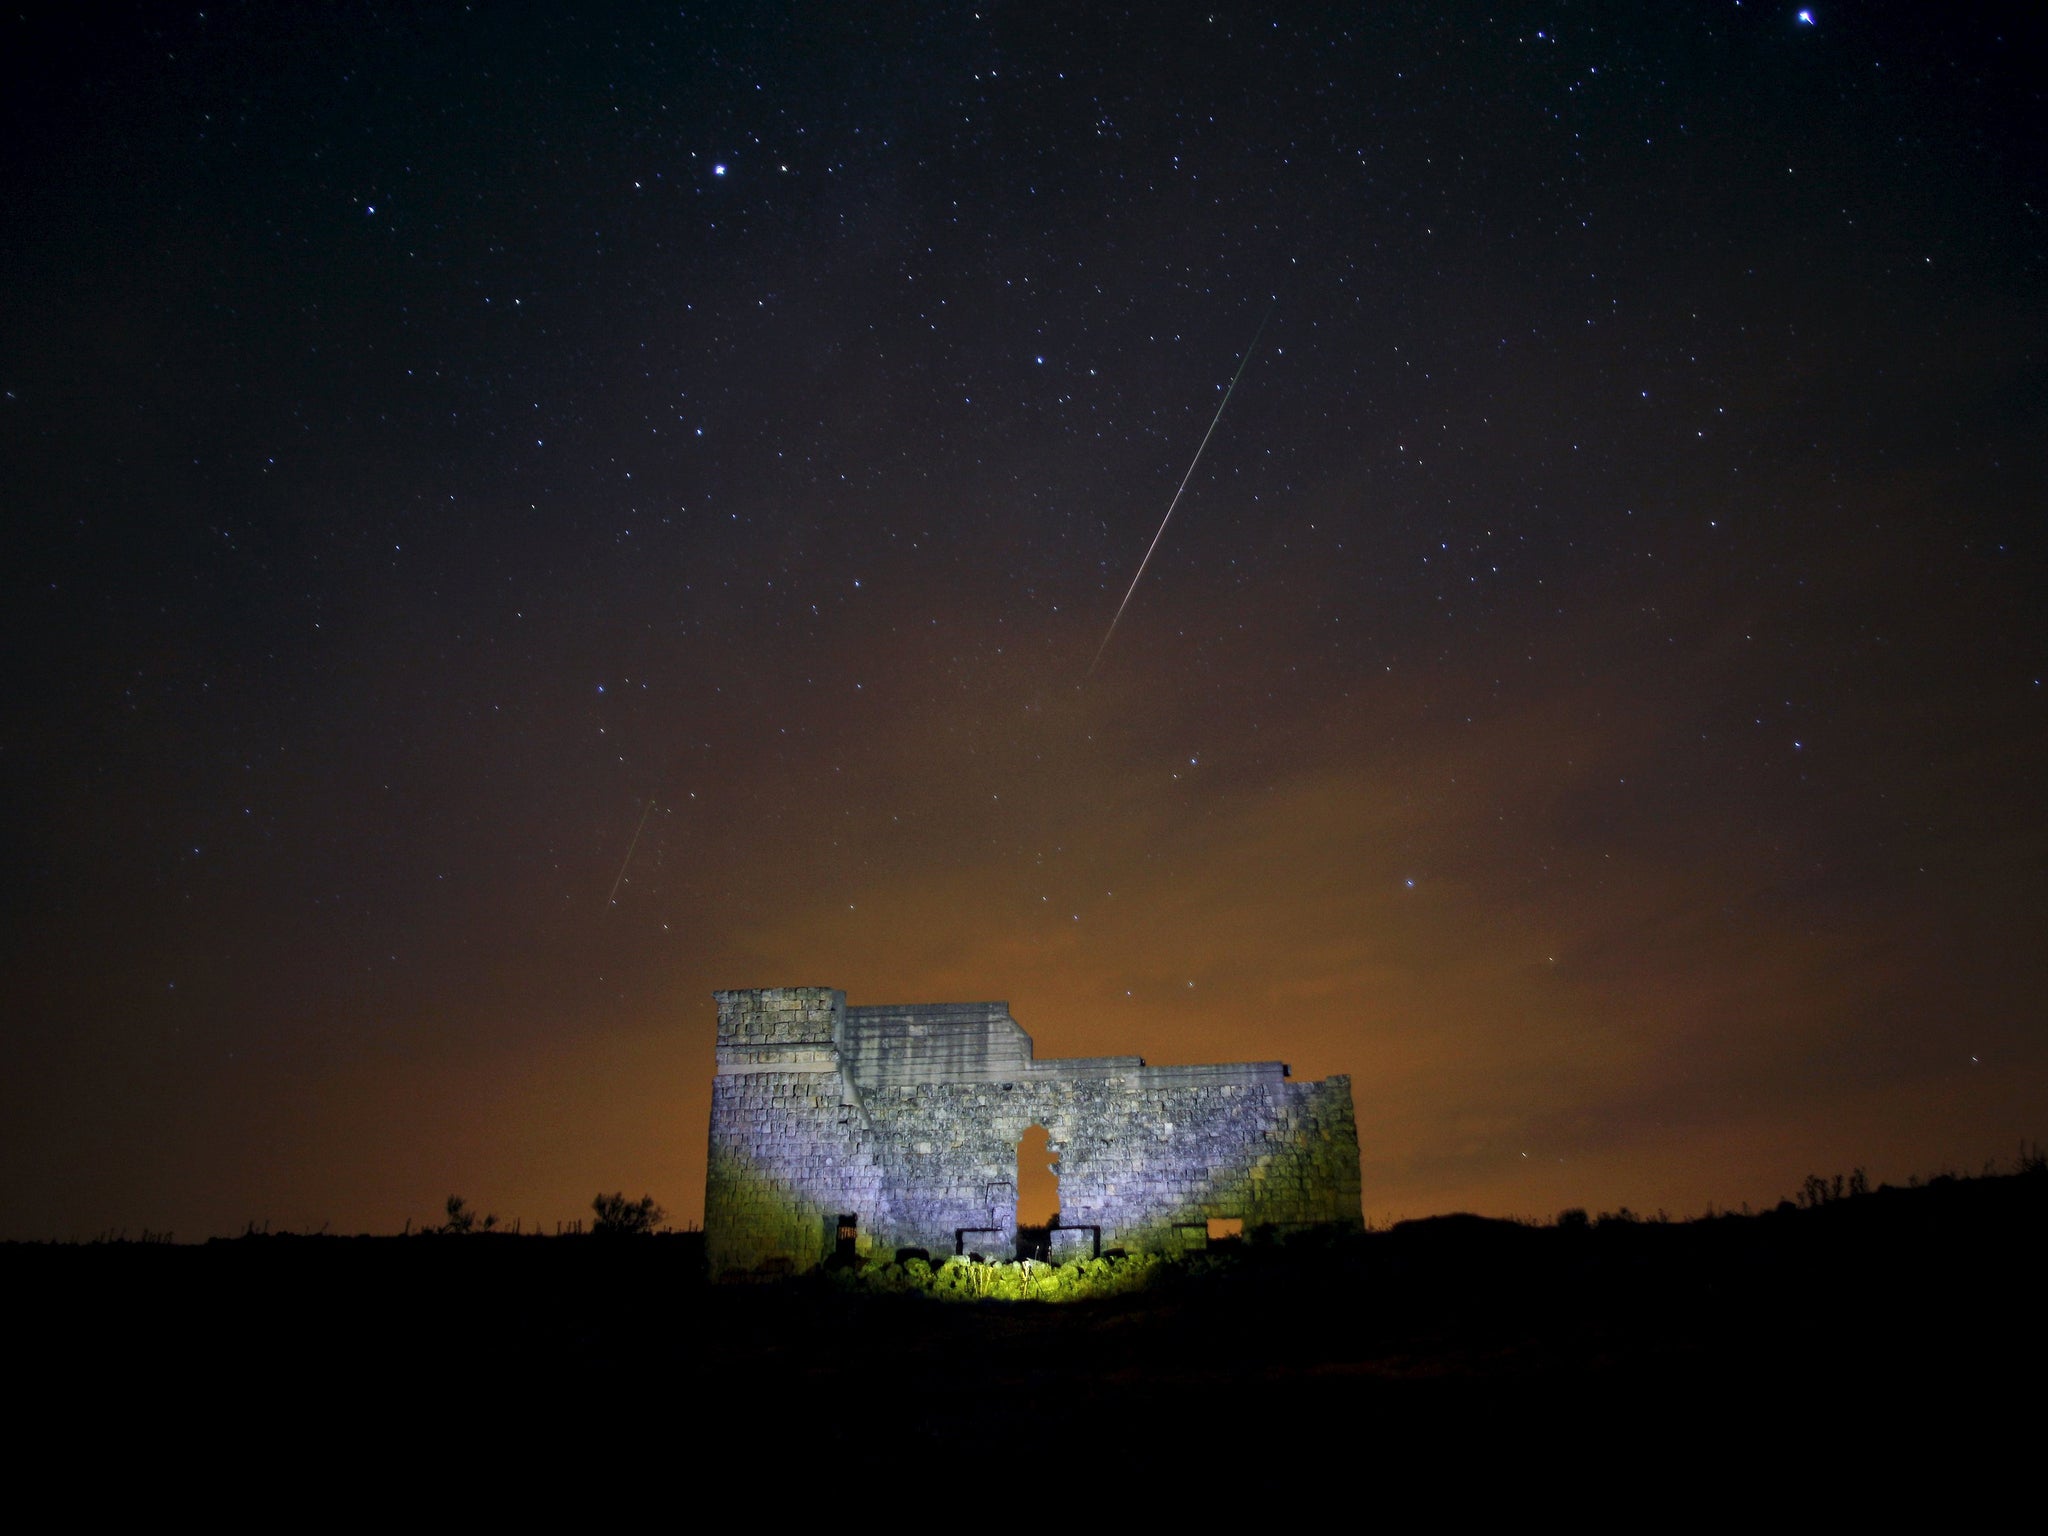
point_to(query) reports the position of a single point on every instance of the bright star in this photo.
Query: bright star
(1806, 18)
(718, 170)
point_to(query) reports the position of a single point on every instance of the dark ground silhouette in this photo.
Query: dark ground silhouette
(1902, 1327)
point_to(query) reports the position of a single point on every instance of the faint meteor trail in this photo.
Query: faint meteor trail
(1184, 479)
(612, 899)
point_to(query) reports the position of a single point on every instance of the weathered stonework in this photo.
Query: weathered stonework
(908, 1119)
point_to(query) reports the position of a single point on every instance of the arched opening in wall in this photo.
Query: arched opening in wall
(1038, 1193)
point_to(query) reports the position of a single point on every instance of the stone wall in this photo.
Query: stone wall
(790, 1146)
(908, 1119)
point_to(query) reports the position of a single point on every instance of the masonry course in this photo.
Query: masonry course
(897, 1126)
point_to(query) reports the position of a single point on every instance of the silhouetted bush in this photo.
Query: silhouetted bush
(619, 1217)
(462, 1221)
(1817, 1191)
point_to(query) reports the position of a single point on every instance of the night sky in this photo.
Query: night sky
(1591, 690)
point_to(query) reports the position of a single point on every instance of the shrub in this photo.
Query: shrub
(619, 1217)
(965, 1280)
(462, 1220)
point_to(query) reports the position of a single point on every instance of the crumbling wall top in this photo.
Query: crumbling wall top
(779, 1016)
(892, 1045)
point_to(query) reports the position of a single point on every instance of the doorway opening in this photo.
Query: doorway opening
(1038, 1194)
(1225, 1229)
(848, 1243)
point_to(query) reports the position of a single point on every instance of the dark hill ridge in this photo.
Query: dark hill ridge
(1903, 1309)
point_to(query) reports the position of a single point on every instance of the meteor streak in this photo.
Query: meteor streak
(612, 900)
(1184, 479)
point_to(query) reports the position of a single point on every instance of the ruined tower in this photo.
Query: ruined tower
(874, 1129)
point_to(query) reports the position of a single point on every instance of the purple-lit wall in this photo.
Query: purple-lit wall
(908, 1118)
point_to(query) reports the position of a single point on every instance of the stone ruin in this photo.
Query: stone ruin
(869, 1131)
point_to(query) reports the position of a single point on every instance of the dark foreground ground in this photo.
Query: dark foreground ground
(1901, 1332)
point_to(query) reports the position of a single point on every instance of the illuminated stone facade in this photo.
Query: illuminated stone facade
(871, 1130)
